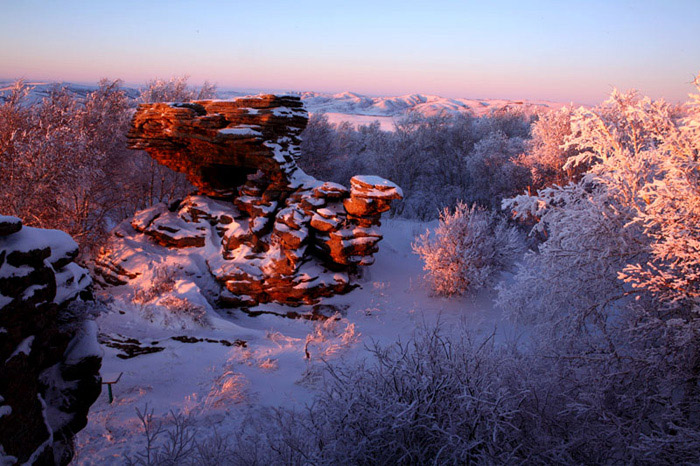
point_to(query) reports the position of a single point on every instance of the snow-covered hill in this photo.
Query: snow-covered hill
(357, 104)
(362, 109)
(355, 108)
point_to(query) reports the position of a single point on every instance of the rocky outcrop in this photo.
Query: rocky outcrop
(266, 231)
(49, 355)
(218, 143)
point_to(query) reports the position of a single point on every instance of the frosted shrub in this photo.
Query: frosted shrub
(185, 309)
(64, 162)
(159, 299)
(467, 249)
(230, 388)
(329, 337)
(432, 400)
(546, 156)
(492, 169)
(162, 281)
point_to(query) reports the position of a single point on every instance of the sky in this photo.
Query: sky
(565, 50)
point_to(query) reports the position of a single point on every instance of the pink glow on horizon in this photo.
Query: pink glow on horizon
(546, 51)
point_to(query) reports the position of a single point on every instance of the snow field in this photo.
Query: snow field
(283, 359)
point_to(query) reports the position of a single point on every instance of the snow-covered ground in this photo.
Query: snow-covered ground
(266, 363)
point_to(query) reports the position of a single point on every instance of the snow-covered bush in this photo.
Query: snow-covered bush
(159, 297)
(630, 216)
(329, 337)
(453, 398)
(467, 249)
(162, 281)
(432, 400)
(171, 443)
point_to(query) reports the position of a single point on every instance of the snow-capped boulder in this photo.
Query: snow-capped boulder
(261, 227)
(49, 355)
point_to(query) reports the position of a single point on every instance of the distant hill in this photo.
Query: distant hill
(355, 108)
(39, 90)
(362, 109)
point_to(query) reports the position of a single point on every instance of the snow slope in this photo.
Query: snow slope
(217, 384)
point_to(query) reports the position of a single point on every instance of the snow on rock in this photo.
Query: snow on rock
(34, 245)
(241, 131)
(25, 347)
(260, 230)
(84, 344)
(5, 410)
(369, 186)
(46, 386)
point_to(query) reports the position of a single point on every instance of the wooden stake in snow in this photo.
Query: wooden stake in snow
(110, 380)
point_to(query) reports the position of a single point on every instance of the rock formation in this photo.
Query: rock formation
(49, 355)
(267, 231)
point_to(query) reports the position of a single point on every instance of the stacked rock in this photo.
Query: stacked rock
(355, 238)
(49, 356)
(270, 233)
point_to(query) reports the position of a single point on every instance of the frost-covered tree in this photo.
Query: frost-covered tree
(64, 162)
(592, 225)
(613, 289)
(545, 157)
(437, 160)
(176, 89)
(670, 212)
(318, 151)
(58, 158)
(492, 169)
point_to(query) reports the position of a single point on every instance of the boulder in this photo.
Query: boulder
(49, 355)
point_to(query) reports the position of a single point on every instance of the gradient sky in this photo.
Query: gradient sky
(557, 50)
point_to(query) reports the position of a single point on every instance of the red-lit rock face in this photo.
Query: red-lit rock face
(266, 231)
(218, 143)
